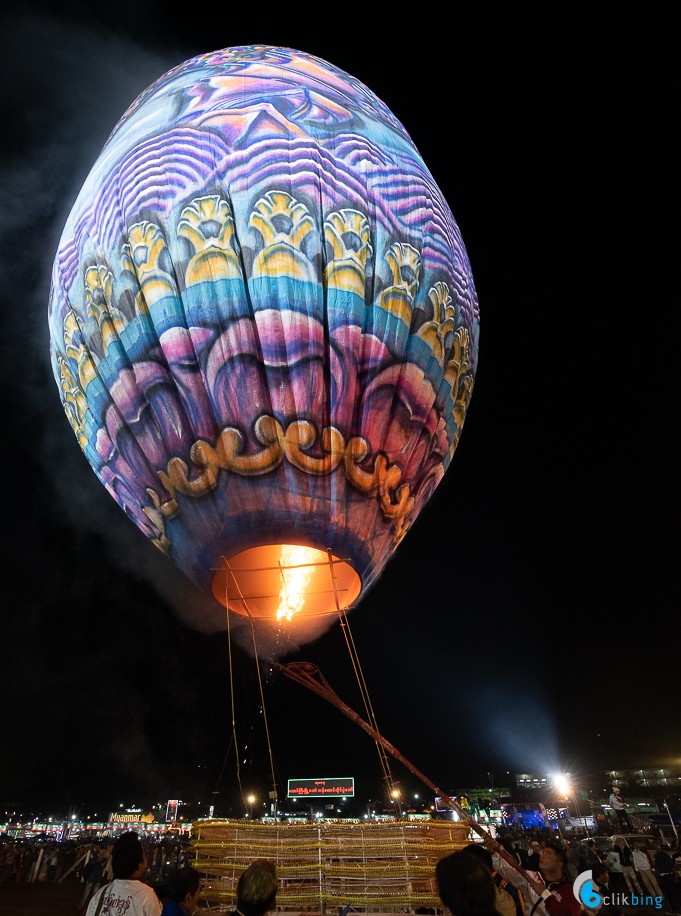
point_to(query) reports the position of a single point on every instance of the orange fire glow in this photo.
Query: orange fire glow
(295, 579)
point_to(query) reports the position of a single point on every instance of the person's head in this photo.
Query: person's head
(479, 851)
(600, 873)
(465, 885)
(534, 846)
(256, 890)
(615, 790)
(553, 862)
(128, 859)
(183, 887)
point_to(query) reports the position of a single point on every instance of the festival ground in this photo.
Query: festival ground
(323, 868)
(34, 899)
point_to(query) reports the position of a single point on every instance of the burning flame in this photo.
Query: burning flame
(294, 581)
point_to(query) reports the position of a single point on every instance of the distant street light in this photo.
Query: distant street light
(396, 799)
(250, 800)
(562, 784)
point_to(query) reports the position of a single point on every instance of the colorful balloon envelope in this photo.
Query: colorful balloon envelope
(264, 328)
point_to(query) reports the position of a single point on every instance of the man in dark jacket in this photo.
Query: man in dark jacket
(628, 869)
(601, 882)
(593, 858)
(664, 866)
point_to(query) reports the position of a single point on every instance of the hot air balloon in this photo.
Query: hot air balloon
(264, 328)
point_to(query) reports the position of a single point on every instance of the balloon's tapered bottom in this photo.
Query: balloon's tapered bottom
(282, 582)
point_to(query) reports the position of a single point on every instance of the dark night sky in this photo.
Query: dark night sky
(530, 620)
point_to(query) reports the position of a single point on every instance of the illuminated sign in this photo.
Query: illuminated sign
(172, 810)
(442, 805)
(321, 788)
(117, 817)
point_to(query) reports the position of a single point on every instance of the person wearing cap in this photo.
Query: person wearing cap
(618, 804)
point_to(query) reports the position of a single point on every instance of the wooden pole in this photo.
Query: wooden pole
(311, 677)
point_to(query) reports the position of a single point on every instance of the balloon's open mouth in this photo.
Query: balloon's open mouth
(282, 582)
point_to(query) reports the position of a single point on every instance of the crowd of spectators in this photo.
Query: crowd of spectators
(45, 859)
(49, 860)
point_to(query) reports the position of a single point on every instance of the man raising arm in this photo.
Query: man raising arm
(552, 896)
